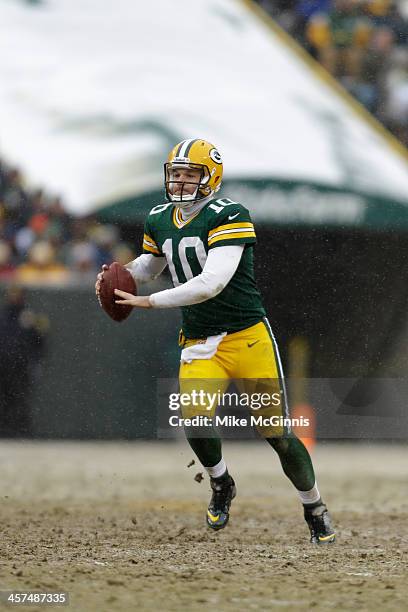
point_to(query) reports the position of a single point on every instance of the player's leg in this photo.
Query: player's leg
(297, 465)
(260, 368)
(208, 377)
(201, 380)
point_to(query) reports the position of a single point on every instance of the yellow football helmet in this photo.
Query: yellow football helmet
(194, 154)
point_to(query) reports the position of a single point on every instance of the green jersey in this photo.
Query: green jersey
(186, 244)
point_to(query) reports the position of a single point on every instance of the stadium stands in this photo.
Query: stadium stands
(41, 243)
(362, 43)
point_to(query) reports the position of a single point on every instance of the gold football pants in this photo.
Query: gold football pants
(250, 359)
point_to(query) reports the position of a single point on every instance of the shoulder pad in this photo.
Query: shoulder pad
(226, 210)
(160, 208)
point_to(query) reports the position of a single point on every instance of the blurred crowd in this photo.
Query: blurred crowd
(41, 243)
(362, 43)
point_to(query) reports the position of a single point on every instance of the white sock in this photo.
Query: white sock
(309, 497)
(218, 470)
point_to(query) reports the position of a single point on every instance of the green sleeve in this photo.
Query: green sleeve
(149, 243)
(231, 225)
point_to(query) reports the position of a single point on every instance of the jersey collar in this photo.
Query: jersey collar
(178, 221)
(177, 214)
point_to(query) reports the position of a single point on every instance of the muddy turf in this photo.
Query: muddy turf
(120, 526)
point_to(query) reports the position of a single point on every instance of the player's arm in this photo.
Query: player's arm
(146, 267)
(218, 270)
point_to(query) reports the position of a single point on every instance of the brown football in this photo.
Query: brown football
(117, 277)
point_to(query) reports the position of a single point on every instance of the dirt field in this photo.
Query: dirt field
(121, 527)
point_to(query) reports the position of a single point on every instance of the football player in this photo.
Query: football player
(207, 243)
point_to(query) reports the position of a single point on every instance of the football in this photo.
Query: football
(117, 277)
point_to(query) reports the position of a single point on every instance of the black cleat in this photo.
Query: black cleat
(318, 519)
(224, 491)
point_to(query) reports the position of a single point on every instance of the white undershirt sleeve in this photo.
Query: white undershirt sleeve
(146, 267)
(220, 266)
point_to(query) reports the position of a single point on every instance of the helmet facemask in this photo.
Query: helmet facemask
(183, 199)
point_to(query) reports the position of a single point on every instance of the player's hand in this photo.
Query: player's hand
(138, 301)
(99, 279)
